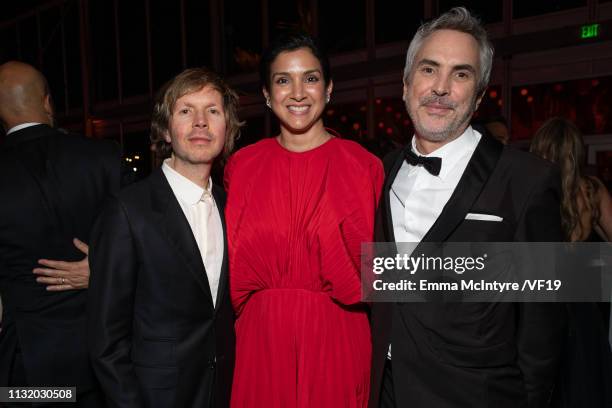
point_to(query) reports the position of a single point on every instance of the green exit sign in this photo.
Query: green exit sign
(589, 31)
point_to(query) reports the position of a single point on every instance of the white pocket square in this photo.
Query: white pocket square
(483, 217)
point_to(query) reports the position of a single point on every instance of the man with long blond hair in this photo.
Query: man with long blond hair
(161, 323)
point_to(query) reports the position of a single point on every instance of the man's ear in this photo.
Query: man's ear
(404, 90)
(479, 99)
(167, 137)
(48, 106)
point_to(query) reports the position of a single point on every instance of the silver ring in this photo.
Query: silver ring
(63, 280)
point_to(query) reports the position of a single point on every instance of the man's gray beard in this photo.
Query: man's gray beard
(444, 134)
(437, 137)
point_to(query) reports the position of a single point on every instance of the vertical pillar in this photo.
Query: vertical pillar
(506, 91)
(149, 49)
(371, 51)
(85, 67)
(183, 36)
(217, 36)
(118, 53)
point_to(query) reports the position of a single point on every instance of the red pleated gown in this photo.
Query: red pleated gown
(295, 224)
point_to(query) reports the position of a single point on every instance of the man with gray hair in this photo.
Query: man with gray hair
(454, 184)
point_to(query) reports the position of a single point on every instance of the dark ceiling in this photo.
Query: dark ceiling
(14, 8)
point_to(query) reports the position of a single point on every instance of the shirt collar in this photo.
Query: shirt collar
(453, 151)
(184, 189)
(22, 126)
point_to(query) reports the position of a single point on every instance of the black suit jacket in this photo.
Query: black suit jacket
(475, 354)
(52, 187)
(155, 338)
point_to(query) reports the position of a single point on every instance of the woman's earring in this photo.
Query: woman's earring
(268, 104)
(328, 98)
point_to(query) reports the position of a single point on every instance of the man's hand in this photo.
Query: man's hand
(64, 275)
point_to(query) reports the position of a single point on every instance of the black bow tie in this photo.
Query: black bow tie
(431, 164)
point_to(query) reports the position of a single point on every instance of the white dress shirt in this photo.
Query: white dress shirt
(417, 197)
(201, 211)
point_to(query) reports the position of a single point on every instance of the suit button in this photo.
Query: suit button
(212, 362)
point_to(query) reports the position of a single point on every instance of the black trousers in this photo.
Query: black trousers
(387, 397)
(17, 378)
(17, 375)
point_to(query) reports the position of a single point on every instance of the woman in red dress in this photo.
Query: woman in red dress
(299, 206)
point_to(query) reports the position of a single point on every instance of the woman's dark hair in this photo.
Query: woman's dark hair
(291, 41)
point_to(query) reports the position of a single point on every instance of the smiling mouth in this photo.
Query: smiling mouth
(437, 109)
(298, 109)
(200, 135)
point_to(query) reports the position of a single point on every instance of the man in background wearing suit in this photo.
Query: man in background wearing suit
(453, 184)
(161, 326)
(52, 186)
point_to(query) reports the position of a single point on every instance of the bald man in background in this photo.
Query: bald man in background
(52, 186)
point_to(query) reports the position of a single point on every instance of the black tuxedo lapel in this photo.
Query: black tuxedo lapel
(177, 229)
(219, 197)
(396, 160)
(477, 172)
